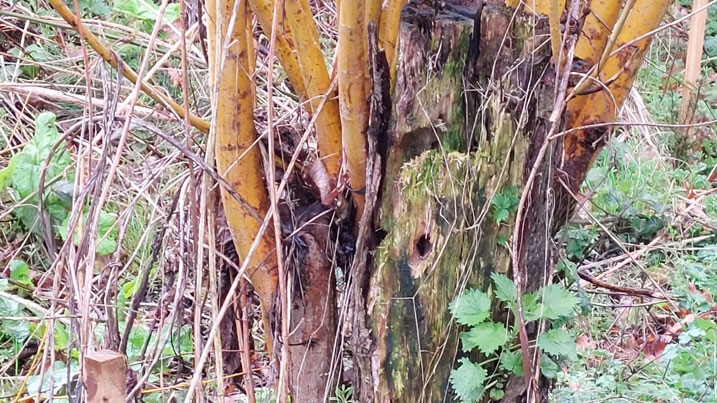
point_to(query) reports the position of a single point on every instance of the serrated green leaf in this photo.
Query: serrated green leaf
(468, 380)
(548, 367)
(502, 240)
(505, 289)
(471, 308)
(512, 362)
(557, 302)
(559, 343)
(500, 215)
(487, 336)
(531, 307)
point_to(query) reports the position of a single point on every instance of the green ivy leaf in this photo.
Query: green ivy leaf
(468, 380)
(558, 302)
(559, 343)
(471, 308)
(505, 289)
(487, 336)
(512, 362)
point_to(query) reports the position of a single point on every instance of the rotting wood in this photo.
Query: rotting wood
(461, 131)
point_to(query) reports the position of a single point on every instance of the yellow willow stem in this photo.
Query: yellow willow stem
(597, 28)
(238, 158)
(316, 76)
(555, 10)
(353, 93)
(284, 47)
(110, 57)
(389, 24)
(373, 11)
(618, 74)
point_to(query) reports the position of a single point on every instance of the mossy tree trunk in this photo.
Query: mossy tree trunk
(470, 111)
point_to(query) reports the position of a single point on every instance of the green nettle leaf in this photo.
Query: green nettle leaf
(487, 336)
(558, 342)
(557, 302)
(531, 307)
(512, 362)
(548, 367)
(500, 215)
(471, 308)
(505, 289)
(20, 272)
(504, 203)
(468, 380)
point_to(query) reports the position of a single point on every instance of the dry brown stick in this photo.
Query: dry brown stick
(645, 292)
(110, 57)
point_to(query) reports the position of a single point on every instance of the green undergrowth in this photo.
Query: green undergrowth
(633, 348)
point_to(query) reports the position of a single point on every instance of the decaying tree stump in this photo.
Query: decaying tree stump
(469, 113)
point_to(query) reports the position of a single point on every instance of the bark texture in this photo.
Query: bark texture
(313, 309)
(469, 114)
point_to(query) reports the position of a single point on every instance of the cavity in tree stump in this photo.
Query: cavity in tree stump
(104, 377)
